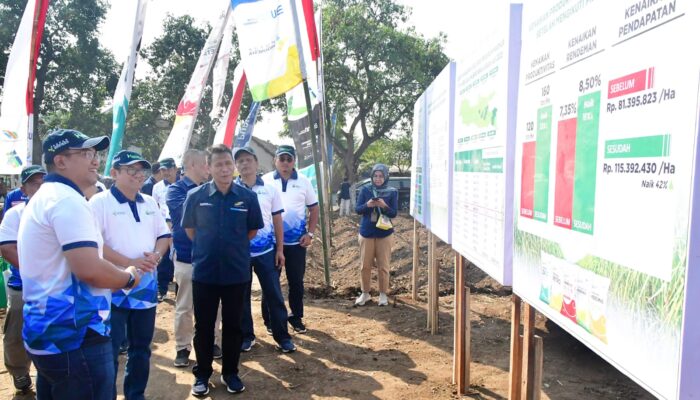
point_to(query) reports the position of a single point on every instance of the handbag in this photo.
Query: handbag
(383, 222)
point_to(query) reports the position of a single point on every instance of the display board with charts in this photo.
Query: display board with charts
(605, 157)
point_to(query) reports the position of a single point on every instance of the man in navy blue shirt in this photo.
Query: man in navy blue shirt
(156, 176)
(220, 218)
(196, 172)
(16, 196)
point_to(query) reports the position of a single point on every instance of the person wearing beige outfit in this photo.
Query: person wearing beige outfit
(376, 203)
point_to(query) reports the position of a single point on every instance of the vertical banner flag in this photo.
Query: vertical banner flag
(227, 126)
(308, 7)
(16, 125)
(267, 43)
(296, 105)
(299, 123)
(40, 10)
(221, 68)
(120, 104)
(188, 108)
(245, 129)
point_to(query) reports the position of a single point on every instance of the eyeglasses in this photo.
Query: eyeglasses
(89, 154)
(131, 171)
(286, 158)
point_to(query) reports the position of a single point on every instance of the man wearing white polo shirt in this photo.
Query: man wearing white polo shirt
(297, 196)
(17, 360)
(134, 233)
(66, 283)
(166, 269)
(266, 255)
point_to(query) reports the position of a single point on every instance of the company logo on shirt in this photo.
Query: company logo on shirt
(205, 204)
(115, 213)
(150, 212)
(238, 204)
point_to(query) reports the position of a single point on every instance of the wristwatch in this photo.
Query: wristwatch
(311, 235)
(131, 281)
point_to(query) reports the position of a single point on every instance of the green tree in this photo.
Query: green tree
(74, 73)
(393, 152)
(374, 70)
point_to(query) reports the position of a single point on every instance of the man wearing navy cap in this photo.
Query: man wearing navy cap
(15, 197)
(156, 176)
(66, 282)
(168, 170)
(17, 360)
(266, 255)
(220, 218)
(298, 195)
(134, 233)
(166, 269)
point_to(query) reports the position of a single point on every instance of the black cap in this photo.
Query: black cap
(244, 149)
(286, 149)
(126, 157)
(28, 172)
(167, 163)
(155, 167)
(64, 139)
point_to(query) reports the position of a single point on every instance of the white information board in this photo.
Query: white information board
(419, 186)
(484, 143)
(439, 100)
(605, 155)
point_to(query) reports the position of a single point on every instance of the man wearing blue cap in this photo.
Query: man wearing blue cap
(134, 233)
(156, 176)
(266, 255)
(66, 282)
(17, 360)
(166, 269)
(298, 195)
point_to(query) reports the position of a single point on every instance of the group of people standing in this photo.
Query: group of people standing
(88, 274)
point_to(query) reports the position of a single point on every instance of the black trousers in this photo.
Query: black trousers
(206, 298)
(295, 268)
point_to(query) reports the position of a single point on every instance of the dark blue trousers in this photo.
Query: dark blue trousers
(295, 267)
(273, 309)
(84, 373)
(137, 327)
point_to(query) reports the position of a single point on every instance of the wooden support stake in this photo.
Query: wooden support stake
(436, 289)
(516, 349)
(467, 329)
(528, 352)
(457, 344)
(430, 280)
(463, 354)
(538, 365)
(416, 261)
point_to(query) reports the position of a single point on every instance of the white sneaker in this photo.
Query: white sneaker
(383, 301)
(362, 299)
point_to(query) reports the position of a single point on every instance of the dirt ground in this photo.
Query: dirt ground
(375, 352)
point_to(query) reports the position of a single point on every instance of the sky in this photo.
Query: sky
(462, 20)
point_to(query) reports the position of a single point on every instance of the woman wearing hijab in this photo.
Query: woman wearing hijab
(377, 203)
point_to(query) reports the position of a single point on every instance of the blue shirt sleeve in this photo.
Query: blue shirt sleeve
(393, 204)
(175, 199)
(361, 204)
(7, 203)
(189, 215)
(255, 219)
